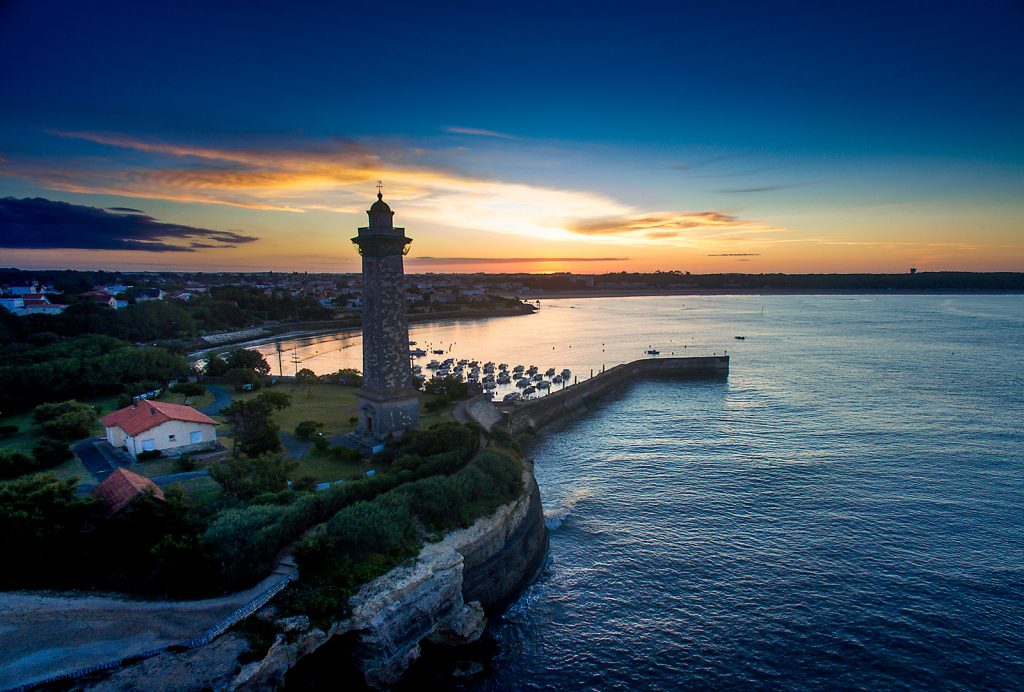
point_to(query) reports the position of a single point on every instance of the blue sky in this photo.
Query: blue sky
(824, 136)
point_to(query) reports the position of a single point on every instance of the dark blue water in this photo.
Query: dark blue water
(845, 512)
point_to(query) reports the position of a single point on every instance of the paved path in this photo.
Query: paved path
(99, 458)
(46, 635)
(295, 447)
(478, 409)
(221, 400)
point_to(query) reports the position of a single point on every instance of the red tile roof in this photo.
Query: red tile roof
(123, 486)
(147, 414)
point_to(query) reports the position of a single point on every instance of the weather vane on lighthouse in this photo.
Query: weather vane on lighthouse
(380, 184)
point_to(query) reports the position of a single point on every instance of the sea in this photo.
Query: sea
(844, 512)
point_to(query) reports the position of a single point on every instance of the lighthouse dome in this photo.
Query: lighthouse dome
(380, 205)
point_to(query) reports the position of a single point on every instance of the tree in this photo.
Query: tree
(306, 376)
(246, 477)
(73, 425)
(277, 401)
(250, 360)
(253, 430)
(215, 366)
(450, 386)
(48, 412)
(14, 463)
(242, 378)
(49, 453)
(348, 376)
(42, 526)
(307, 428)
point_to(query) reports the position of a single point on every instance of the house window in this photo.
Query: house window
(148, 445)
(170, 438)
(195, 436)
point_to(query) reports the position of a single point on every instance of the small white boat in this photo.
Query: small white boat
(549, 372)
(543, 384)
(433, 365)
(510, 397)
(566, 373)
(529, 390)
(557, 379)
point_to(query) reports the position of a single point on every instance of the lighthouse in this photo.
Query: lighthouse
(388, 402)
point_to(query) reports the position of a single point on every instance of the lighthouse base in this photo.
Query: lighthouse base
(385, 415)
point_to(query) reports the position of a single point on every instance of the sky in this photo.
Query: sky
(589, 137)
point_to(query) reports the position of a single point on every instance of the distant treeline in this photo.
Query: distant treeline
(223, 308)
(55, 369)
(921, 281)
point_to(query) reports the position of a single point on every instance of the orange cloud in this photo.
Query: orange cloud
(333, 174)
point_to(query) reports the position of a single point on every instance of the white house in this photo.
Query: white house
(173, 429)
(31, 304)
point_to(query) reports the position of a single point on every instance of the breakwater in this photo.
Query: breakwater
(534, 414)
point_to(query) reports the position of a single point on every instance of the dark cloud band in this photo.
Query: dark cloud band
(37, 223)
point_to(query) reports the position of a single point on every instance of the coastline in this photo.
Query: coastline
(660, 292)
(350, 326)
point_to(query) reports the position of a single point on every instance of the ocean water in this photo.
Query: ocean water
(846, 511)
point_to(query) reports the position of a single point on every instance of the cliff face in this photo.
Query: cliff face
(444, 596)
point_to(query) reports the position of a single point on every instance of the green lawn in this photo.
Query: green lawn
(29, 433)
(194, 401)
(72, 468)
(157, 467)
(201, 490)
(330, 404)
(324, 468)
(440, 416)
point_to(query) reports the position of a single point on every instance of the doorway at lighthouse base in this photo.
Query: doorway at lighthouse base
(382, 416)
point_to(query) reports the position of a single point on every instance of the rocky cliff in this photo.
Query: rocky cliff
(445, 596)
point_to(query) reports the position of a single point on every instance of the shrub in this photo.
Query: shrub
(149, 455)
(73, 425)
(47, 412)
(307, 428)
(49, 453)
(185, 463)
(189, 389)
(503, 437)
(306, 376)
(14, 464)
(304, 484)
(345, 454)
(246, 477)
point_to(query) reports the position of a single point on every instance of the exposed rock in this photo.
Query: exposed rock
(465, 627)
(442, 596)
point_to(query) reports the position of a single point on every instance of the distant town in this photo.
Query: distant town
(326, 296)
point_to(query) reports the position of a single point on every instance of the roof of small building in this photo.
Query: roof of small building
(147, 414)
(122, 486)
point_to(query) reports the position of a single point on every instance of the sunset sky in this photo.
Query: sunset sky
(589, 137)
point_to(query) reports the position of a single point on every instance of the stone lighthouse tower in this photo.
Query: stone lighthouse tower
(388, 404)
